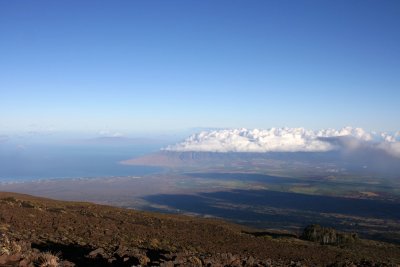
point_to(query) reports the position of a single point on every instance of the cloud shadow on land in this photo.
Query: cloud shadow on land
(269, 209)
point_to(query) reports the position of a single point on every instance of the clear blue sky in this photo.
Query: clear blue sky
(152, 66)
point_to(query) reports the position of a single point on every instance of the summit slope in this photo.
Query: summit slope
(87, 234)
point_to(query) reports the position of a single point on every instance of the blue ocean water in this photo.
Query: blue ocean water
(52, 161)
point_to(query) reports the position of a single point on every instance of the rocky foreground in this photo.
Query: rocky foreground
(43, 232)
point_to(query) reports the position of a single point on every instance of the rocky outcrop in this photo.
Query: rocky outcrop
(327, 236)
(18, 253)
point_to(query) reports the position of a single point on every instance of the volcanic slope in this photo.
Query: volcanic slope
(85, 234)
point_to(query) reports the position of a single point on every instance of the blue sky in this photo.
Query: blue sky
(162, 66)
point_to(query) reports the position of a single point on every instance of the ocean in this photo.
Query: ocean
(53, 161)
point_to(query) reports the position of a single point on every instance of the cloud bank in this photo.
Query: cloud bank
(288, 140)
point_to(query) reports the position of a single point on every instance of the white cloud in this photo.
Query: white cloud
(391, 147)
(287, 140)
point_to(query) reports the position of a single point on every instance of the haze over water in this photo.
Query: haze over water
(33, 162)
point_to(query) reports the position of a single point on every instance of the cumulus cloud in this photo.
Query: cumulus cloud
(287, 140)
(391, 146)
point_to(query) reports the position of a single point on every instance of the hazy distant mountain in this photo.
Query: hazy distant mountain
(357, 161)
